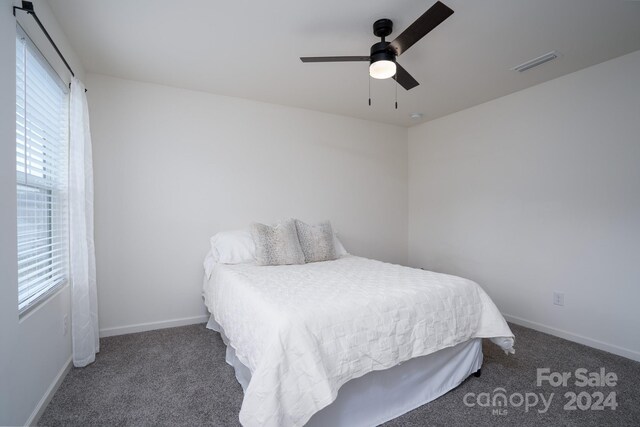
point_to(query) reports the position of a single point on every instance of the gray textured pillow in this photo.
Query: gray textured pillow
(316, 241)
(277, 245)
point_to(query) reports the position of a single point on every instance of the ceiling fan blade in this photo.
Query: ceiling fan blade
(404, 78)
(334, 58)
(427, 22)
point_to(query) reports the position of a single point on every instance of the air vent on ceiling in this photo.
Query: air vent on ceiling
(536, 61)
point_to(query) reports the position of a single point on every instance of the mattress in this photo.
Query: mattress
(303, 331)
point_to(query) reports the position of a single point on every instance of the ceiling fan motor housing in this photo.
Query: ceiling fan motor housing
(381, 52)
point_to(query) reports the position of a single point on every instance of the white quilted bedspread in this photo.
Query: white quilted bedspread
(305, 330)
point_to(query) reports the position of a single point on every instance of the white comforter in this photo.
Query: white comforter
(305, 330)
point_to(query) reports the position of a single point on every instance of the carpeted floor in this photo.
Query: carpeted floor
(179, 377)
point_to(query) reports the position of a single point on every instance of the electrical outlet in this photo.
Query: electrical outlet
(65, 324)
(558, 298)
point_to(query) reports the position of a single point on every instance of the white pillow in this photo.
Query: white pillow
(340, 250)
(233, 247)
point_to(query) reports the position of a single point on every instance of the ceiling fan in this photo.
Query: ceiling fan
(383, 56)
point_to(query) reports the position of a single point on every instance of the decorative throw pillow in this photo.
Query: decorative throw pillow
(316, 241)
(277, 245)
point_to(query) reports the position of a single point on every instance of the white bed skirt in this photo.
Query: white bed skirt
(380, 396)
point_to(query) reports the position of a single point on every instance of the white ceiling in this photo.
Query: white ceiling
(250, 49)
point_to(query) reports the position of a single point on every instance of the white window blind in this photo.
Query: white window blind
(41, 167)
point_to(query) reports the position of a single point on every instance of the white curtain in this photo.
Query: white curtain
(82, 269)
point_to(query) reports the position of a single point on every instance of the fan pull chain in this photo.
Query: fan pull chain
(396, 93)
(369, 91)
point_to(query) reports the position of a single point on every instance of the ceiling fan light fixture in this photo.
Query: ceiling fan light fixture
(382, 69)
(383, 62)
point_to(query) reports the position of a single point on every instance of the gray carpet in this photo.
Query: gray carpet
(179, 377)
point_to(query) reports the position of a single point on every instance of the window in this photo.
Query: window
(41, 168)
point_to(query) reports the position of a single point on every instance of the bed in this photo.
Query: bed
(351, 341)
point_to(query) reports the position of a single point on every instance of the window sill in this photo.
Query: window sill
(42, 301)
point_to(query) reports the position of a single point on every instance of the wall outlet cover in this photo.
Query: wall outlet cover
(558, 298)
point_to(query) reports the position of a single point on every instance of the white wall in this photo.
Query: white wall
(173, 167)
(33, 350)
(540, 191)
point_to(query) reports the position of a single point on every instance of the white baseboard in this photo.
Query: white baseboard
(142, 327)
(611, 348)
(46, 398)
